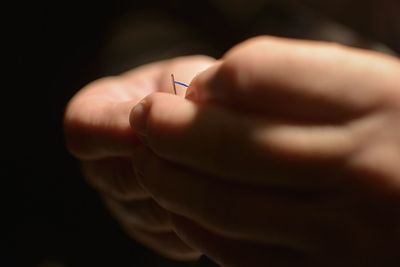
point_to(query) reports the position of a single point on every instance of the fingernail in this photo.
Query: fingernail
(191, 94)
(139, 118)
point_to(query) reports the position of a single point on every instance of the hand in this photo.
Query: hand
(98, 133)
(288, 156)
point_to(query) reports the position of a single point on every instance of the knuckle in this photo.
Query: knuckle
(148, 215)
(123, 184)
(114, 178)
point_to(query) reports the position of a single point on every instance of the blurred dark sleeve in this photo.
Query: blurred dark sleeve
(378, 19)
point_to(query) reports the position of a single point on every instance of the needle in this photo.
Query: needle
(175, 82)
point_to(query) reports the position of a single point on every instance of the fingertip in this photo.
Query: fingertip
(203, 85)
(191, 92)
(168, 120)
(138, 117)
(166, 112)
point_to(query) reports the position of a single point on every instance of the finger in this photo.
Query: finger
(114, 177)
(299, 79)
(233, 146)
(229, 252)
(166, 244)
(233, 210)
(96, 119)
(145, 215)
(184, 70)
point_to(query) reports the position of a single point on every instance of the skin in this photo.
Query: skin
(98, 133)
(284, 153)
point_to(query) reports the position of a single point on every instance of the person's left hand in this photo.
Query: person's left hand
(289, 156)
(98, 133)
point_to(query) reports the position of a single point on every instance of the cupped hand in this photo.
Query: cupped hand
(98, 133)
(287, 155)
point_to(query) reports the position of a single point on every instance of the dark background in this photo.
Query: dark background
(51, 215)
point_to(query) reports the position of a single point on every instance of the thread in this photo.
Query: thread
(176, 82)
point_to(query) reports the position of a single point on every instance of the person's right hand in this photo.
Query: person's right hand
(98, 133)
(287, 156)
